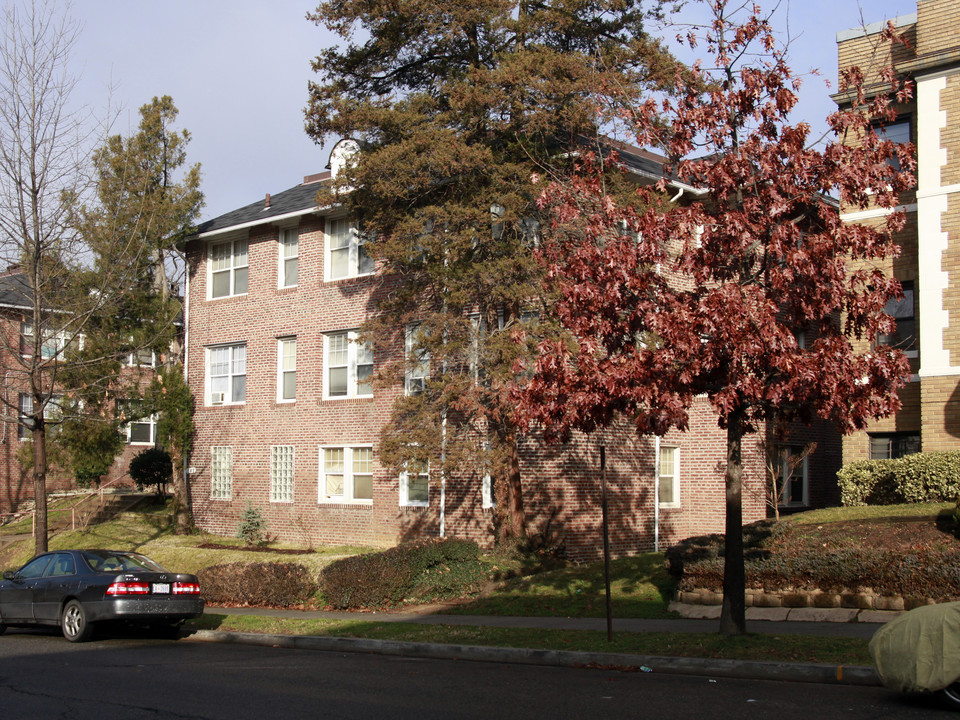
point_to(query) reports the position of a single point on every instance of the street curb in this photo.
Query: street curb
(742, 669)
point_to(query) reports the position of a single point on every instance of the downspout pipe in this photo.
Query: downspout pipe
(656, 493)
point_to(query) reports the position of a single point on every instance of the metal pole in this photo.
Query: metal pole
(606, 539)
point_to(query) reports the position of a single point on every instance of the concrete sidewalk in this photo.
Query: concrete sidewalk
(433, 615)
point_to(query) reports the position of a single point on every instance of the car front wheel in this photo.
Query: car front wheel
(951, 696)
(73, 623)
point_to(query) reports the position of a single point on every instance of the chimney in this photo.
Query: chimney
(266, 202)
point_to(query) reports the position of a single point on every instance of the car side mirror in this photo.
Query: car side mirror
(9, 574)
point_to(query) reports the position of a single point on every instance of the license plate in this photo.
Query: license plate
(161, 588)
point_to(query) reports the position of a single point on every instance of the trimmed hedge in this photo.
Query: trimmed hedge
(924, 573)
(920, 478)
(417, 571)
(257, 584)
(775, 559)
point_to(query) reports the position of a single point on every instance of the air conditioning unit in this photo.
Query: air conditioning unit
(216, 398)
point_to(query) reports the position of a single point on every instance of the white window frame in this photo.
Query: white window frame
(353, 250)
(487, 501)
(289, 237)
(231, 375)
(803, 471)
(356, 351)
(52, 345)
(137, 359)
(674, 501)
(239, 261)
(150, 421)
(405, 500)
(282, 470)
(24, 410)
(286, 366)
(415, 375)
(363, 453)
(221, 472)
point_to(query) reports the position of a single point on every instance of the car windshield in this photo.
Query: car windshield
(105, 561)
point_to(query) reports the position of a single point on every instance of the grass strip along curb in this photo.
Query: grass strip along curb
(743, 669)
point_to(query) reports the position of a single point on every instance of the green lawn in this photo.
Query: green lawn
(773, 648)
(639, 588)
(149, 531)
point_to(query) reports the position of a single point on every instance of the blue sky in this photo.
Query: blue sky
(238, 72)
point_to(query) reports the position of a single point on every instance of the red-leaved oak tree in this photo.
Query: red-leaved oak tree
(706, 294)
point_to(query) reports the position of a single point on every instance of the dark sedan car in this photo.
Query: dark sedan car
(76, 589)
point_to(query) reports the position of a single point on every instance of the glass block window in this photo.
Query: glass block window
(281, 473)
(221, 473)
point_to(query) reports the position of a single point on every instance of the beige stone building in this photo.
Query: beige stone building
(928, 317)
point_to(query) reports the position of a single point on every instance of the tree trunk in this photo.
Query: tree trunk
(516, 526)
(40, 484)
(733, 613)
(182, 511)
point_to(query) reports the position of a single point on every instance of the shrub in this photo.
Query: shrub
(955, 518)
(152, 467)
(253, 526)
(919, 478)
(418, 571)
(705, 548)
(258, 584)
(778, 558)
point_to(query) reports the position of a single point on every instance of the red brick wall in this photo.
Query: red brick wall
(561, 483)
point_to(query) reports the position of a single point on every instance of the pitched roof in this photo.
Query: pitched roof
(15, 290)
(300, 199)
(296, 200)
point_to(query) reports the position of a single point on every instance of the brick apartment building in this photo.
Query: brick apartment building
(16, 484)
(928, 317)
(287, 422)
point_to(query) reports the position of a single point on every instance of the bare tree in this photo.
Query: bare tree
(42, 170)
(84, 229)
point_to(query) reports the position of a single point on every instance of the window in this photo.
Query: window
(141, 428)
(221, 473)
(792, 477)
(486, 492)
(281, 473)
(228, 268)
(349, 364)
(52, 343)
(144, 357)
(227, 374)
(897, 132)
(26, 338)
(287, 369)
(61, 566)
(478, 331)
(904, 335)
(415, 485)
(346, 253)
(34, 568)
(418, 360)
(669, 471)
(346, 474)
(52, 411)
(289, 253)
(25, 426)
(886, 446)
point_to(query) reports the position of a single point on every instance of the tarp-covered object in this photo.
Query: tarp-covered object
(920, 650)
